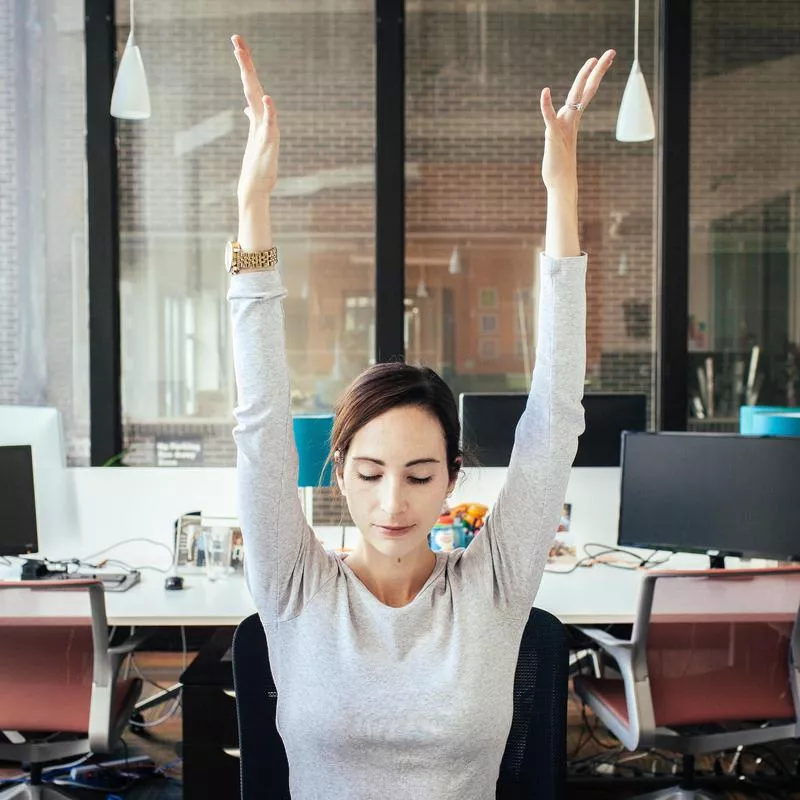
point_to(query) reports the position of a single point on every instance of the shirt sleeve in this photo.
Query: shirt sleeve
(285, 564)
(507, 557)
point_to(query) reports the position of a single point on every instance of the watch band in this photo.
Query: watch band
(262, 260)
(238, 260)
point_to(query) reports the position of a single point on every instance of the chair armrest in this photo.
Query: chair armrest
(620, 649)
(116, 654)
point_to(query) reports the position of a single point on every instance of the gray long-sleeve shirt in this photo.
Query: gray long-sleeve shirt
(412, 702)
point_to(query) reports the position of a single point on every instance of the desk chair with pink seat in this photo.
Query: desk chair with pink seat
(60, 695)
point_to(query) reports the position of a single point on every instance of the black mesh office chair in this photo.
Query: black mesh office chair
(534, 762)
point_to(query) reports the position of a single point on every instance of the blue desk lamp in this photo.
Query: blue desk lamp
(312, 435)
(749, 414)
(785, 423)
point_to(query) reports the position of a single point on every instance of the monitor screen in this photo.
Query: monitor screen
(489, 421)
(56, 507)
(706, 492)
(17, 505)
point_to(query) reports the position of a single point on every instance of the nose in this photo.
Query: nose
(393, 497)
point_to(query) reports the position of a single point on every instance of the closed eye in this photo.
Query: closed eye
(372, 478)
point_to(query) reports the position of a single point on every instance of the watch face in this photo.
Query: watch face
(228, 255)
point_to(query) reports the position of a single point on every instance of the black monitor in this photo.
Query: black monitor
(489, 421)
(721, 494)
(18, 533)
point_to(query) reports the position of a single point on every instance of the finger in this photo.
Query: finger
(596, 75)
(270, 112)
(546, 104)
(576, 91)
(253, 90)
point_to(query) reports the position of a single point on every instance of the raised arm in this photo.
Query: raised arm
(510, 553)
(284, 562)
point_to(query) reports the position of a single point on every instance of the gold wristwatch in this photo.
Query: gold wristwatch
(238, 260)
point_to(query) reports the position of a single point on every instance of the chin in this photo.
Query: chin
(400, 545)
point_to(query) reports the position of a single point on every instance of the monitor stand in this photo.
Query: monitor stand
(717, 561)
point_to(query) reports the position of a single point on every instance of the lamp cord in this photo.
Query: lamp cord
(133, 25)
(635, 30)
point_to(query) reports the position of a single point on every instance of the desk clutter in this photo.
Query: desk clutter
(39, 570)
(457, 526)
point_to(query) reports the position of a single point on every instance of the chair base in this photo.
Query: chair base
(672, 793)
(24, 791)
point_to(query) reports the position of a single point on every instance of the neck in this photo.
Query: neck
(394, 581)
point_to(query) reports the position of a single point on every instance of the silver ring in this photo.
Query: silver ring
(574, 106)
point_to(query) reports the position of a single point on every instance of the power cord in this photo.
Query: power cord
(89, 558)
(176, 704)
(636, 561)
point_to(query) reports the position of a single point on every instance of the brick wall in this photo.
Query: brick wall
(473, 150)
(9, 319)
(43, 299)
(473, 145)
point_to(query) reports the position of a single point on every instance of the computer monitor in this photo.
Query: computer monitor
(17, 501)
(721, 494)
(489, 421)
(56, 506)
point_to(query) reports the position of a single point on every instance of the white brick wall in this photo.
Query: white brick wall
(9, 319)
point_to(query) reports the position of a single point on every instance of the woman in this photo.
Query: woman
(395, 665)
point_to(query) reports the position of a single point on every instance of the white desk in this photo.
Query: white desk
(595, 595)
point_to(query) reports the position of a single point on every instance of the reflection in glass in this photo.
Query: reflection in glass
(744, 300)
(178, 175)
(476, 203)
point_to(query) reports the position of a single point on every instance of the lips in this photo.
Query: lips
(394, 531)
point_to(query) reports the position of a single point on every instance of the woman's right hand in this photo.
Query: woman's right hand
(260, 162)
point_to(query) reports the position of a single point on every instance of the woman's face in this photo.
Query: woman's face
(395, 479)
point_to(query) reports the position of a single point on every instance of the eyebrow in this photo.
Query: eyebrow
(413, 463)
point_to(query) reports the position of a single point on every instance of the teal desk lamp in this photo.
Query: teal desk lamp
(751, 416)
(312, 436)
(785, 423)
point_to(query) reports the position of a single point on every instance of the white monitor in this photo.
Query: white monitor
(56, 508)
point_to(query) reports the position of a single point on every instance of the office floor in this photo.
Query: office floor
(162, 743)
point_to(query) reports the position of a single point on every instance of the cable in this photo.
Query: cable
(178, 699)
(645, 562)
(55, 768)
(135, 666)
(128, 541)
(592, 735)
(127, 566)
(637, 561)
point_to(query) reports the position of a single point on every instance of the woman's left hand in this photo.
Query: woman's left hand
(560, 162)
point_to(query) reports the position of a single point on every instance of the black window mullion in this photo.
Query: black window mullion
(389, 178)
(673, 187)
(103, 233)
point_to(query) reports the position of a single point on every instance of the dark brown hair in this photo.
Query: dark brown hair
(385, 386)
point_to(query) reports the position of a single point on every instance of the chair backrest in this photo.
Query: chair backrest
(264, 770)
(534, 761)
(718, 644)
(50, 632)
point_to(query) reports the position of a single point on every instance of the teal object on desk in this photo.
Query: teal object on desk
(782, 424)
(312, 436)
(748, 414)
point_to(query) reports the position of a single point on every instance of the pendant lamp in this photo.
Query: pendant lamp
(635, 122)
(130, 98)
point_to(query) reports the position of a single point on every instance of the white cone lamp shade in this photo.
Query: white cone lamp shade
(635, 122)
(131, 98)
